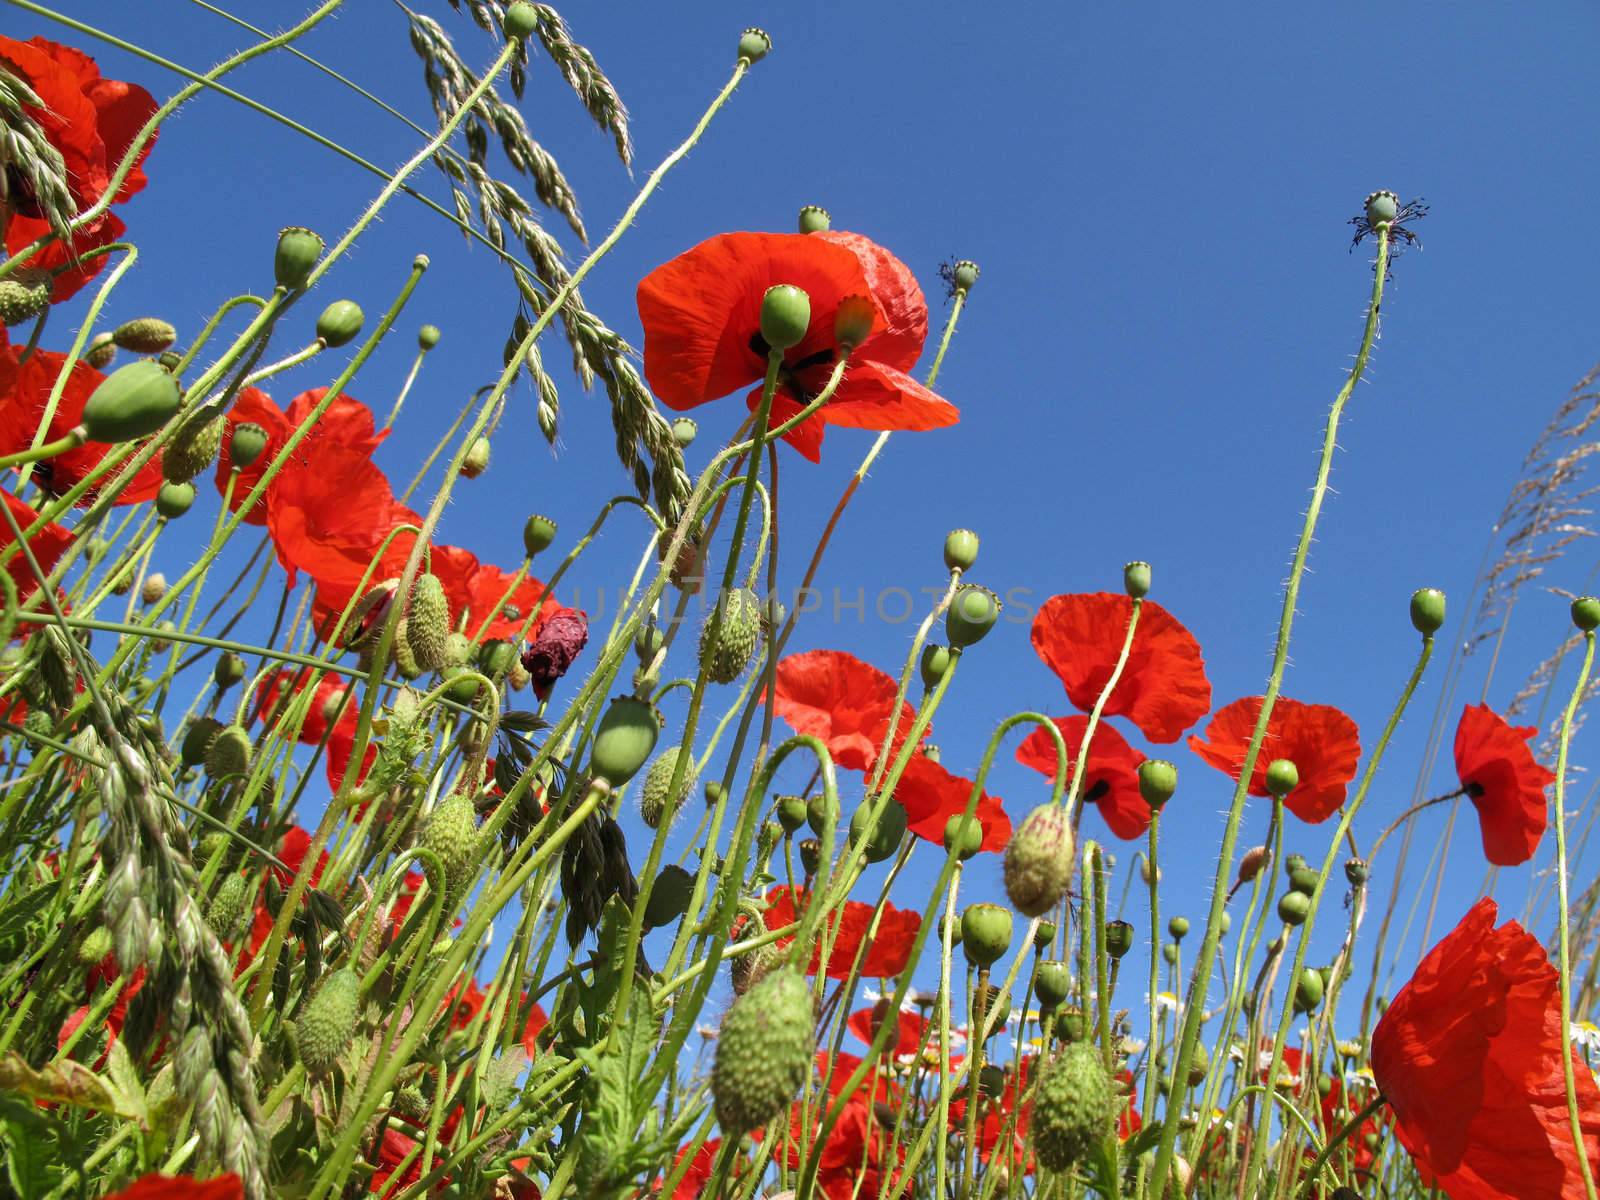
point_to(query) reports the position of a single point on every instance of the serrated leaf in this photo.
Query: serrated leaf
(500, 1080)
(65, 1082)
(610, 1151)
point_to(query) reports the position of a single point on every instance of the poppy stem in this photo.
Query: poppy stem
(74, 439)
(1564, 952)
(1347, 1131)
(1157, 1023)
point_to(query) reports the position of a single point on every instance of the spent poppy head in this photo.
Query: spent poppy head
(842, 701)
(1506, 785)
(1111, 776)
(1163, 688)
(1322, 742)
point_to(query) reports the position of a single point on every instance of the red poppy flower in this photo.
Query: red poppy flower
(483, 597)
(887, 954)
(465, 1002)
(698, 1172)
(1469, 1057)
(92, 122)
(931, 795)
(115, 1018)
(1111, 779)
(333, 714)
(533, 1026)
(1163, 689)
(1337, 1112)
(701, 314)
(835, 1071)
(1497, 767)
(48, 545)
(842, 701)
(292, 851)
(910, 1027)
(182, 1187)
(1321, 741)
(24, 395)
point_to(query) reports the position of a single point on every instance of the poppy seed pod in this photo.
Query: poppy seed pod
(22, 300)
(683, 432)
(953, 928)
(985, 933)
(852, 321)
(1356, 871)
(1158, 780)
(931, 752)
(246, 445)
(1382, 207)
(174, 499)
(496, 657)
(1294, 908)
(987, 997)
(102, 352)
(785, 316)
(144, 335)
(1308, 992)
(1586, 613)
(521, 20)
(1136, 579)
(340, 322)
(819, 810)
(1304, 880)
(1038, 861)
(132, 401)
(297, 255)
(964, 835)
(810, 856)
(754, 45)
(476, 461)
(428, 337)
(1052, 984)
(713, 793)
(1178, 927)
(537, 534)
(1293, 863)
(669, 896)
(1427, 610)
(964, 274)
(935, 662)
(624, 740)
(815, 219)
(1282, 777)
(886, 834)
(1119, 938)
(1043, 934)
(960, 550)
(973, 612)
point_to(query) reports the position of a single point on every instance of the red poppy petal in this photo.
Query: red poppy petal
(1496, 765)
(1323, 743)
(805, 437)
(875, 396)
(898, 294)
(1111, 779)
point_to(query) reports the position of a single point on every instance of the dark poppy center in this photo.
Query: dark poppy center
(1097, 791)
(1473, 788)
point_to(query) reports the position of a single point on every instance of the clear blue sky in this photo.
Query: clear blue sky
(1157, 196)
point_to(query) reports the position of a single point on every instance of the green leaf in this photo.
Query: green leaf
(66, 1082)
(610, 1152)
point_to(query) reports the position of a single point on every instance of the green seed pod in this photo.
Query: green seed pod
(986, 997)
(246, 445)
(931, 752)
(791, 812)
(169, 360)
(196, 738)
(1043, 935)
(655, 804)
(1119, 938)
(1304, 880)
(764, 1052)
(964, 835)
(669, 896)
(1053, 983)
(428, 624)
(1293, 863)
(22, 300)
(785, 315)
(853, 321)
(1308, 992)
(1069, 1025)
(1324, 1085)
(477, 460)
(451, 832)
(1294, 908)
(464, 685)
(955, 931)
(973, 612)
(228, 671)
(738, 636)
(193, 449)
(297, 255)
(400, 651)
(228, 754)
(427, 338)
(96, 944)
(935, 662)
(328, 1021)
(815, 219)
(1178, 927)
(1158, 780)
(1169, 952)
(1282, 777)
(131, 402)
(754, 45)
(1198, 1064)
(1586, 613)
(964, 275)
(1038, 861)
(521, 20)
(144, 335)
(960, 550)
(1356, 871)
(1382, 208)
(495, 657)
(819, 811)
(1427, 610)
(810, 856)
(886, 835)
(985, 933)
(226, 912)
(683, 432)
(340, 322)
(102, 351)
(1136, 579)
(537, 534)
(713, 793)
(174, 499)
(624, 740)
(1072, 1108)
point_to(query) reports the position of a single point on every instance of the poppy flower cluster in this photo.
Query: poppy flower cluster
(701, 314)
(92, 121)
(1322, 742)
(1504, 782)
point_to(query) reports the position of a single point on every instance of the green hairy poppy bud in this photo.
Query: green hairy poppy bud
(1158, 780)
(297, 255)
(102, 352)
(754, 45)
(785, 316)
(669, 896)
(225, 914)
(228, 754)
(964, 274)
(964, 835)
(537, 534)
(985, 933)
(521, 20)
(144, 335)
(960, 550)
(340, 322)
(764, 1051)
(1072, 1108)
(624, 740)
(477, 460)
(1282, 777)
(815, 219)
(451, 832)
(96, 944)
(196, 738)
(886, 835)
(228, 671)
(1039, 861)
(174, 499)
(328, 1021)
(739, 634)
(428, 624)
(1053, 983)
(1586, 613)
(427, 337)
(1136, 579)
(246, 445)
(1427, 610)
(683, 432)
(23, 299)
(1119, 938)
(192, 449)
(1382, 207)
(973, 612)
(654, 802)
(131, 402)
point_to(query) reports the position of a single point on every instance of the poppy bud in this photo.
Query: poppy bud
(1304, 880)
(154, 588)
(298, 251)
(248, 442)
(228, 671)
(1225, 923)
(427, 337)
(23, 299)
(1382, 208)
(1158, 780)
(960, 549)
(973, 612)
(1250, 865)
(810, 856)
(624, 740)
(1282, 777)
(1178, 927)
(463, 685)
(1119, 938)
(772, 615)
(785, 316)
(102, 352)
(754, 45)
(1586, 613)
(669, 896)
(985, 933)
(1427, 610)
(521, 20)
(1294, 908)
(683, 431)
(655, 802)
(964, 835)
(1356, 871)
(964, 275)
(192, 750)
(537, 534)
(713, 793)
(935, 662)
(991, 1080)
(738, 635)
(340, 322)
(885, 836)
(174, 499)
(1136, 579)
(818, 809)
(231, 901)
(144, 335)
(192, 449)
(1038, 861)
(228, 753)
(132, 401)
(764, 1052)
(1308, 992)
(1073, 1108)
(451, 832)
(328, 1021)
(1053, 983)
(428, 624)
(815, 219)
(476, 461)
